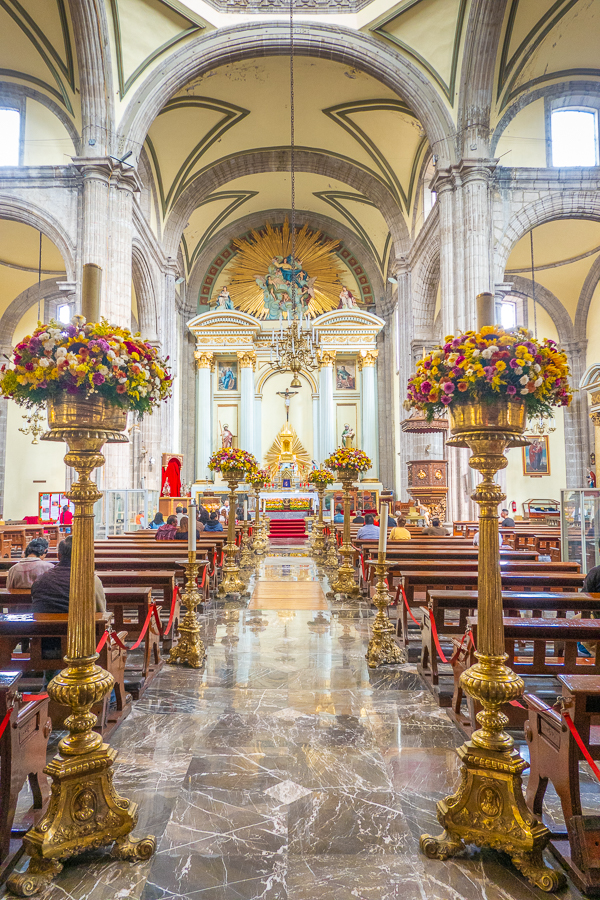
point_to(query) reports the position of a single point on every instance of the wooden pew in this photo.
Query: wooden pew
(159, 580)
(555, 757)
(33, 627)
(23, 748)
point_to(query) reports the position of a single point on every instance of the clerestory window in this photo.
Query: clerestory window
(574, 137)
(10, 136)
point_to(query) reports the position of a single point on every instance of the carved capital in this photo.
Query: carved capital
(367, 358)
(204, 360)
(247, 359)
(595, 398)
(326, 358)
(595, 417)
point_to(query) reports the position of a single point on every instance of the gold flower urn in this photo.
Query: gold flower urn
(488, 808)
(85, 812)
(231, 582)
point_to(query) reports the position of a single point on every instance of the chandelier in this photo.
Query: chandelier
(296, 349)
(542, 424)
(36, 424)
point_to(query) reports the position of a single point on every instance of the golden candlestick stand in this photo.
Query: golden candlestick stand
(85, 811)
(259, 544)
(231, 583)
(331, 559)
(345, 582)
(246, 556)
(383, 649)
(488, 808)
(318, 544)
(189, 649)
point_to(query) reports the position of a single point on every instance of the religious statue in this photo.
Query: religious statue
(347, 436)
(286, 286)
(347, 299)
(224, 300)
(287, 396)
(226, 437)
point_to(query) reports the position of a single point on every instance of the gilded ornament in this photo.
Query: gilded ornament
(367, 358)
(189, 649)
(383, 649)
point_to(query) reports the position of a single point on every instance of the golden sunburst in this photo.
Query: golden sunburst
(262, 270)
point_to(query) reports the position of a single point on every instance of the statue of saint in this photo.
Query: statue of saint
(224, 300)
(226, 437)
(347, 436)
(347, 299)
(287, 396)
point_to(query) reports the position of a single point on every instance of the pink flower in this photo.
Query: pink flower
(98, 378)
(425, 387)
(446, 399)
(511, 390)
(448, 388)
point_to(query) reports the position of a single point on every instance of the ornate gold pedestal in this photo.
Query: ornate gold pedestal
(259, 544)
(382, 649)
(247, 559)
(488, 808)
(345, 583)
(189, 649)
(318, 544)
(331, 559)
(231, 583)
(85, 811)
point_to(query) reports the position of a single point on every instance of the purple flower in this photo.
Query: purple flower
(446, 399)
(514, 363)
(489, 371)
(460, 360)
(427, 364)
(98, 378)
(425, 387)
(448, 387)
(456, 371)
(511, 390)
(456, 342)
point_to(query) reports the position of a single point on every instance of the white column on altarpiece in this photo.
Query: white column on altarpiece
(316, 414)
(258, 428)
(247, 362)
(368, 405)
(327, 429)
(204, 365)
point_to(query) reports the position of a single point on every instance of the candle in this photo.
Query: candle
(245, 510)
(192, 526)
(383, 530)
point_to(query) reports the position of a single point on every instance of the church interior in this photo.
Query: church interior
(299, 520)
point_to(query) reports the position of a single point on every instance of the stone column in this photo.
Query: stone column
(577, 432)
(327, 425)
(247, 362)
(368, 403)
(205, 364)
(316, 415)
(258, 428)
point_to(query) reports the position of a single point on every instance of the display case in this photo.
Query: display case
(545, 511)
(580, 527)
(120, 511)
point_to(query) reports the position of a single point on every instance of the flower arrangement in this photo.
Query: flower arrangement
(274, 504)
(84, 359)
(299, 504)
(348, 458)
(229, 460)
(259, 477)
(483, 366)
(321, 478)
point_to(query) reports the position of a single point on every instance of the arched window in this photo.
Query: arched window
(10, 136)
(574, 137)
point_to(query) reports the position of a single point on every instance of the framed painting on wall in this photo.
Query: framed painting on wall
(345, 376)
(536, 457)
(228, 376)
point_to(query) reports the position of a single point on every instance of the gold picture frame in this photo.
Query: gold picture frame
(536, 456)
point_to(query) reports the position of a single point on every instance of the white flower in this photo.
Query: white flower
(525, 391)
(538, 381)
(43, 336)
(493, 348)
(524, 379)
(537, 368)
(111, 354)
(122, 380)
(469, 371)
(60, 352)
(476, 353)
(44, 363)
(486, 353)
(104, 370)
(452, 359)
(518, 370)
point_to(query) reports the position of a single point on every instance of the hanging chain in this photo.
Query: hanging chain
(292, 152)
(533, 285)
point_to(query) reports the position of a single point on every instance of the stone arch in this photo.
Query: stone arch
(251, 41)
(425, 284)
(523, 287)
(255, 220)
(269, 373)
(17, 93)
(14, 312)
(29, 214)
(564, 204)
(257, 161)
(585, 299)
(145, 292)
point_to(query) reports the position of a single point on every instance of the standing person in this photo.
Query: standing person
(400, 532)
(369, 529)
(23, 574)
(436, 528)
(505, 520)
(66, 518)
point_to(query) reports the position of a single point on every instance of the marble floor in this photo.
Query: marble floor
(287, 770)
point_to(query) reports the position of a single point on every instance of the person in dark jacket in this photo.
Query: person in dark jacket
(506, 521)
(213, 523)
(167, 531)
(50, 593)
(182, 533)
(203, 514)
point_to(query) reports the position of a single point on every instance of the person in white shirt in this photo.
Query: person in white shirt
(23, 574)
(476, 539)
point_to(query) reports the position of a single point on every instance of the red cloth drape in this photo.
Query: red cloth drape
(172, 472)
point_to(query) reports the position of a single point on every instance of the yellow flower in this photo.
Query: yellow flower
(500, 365)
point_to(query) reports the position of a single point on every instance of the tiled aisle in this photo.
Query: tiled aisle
(286, 769)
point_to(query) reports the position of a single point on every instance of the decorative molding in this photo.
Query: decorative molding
(367, 359)
(269, 6)
(247, 359)
(205, 359)
(326, 358)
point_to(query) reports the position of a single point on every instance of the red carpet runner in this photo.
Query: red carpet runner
(287, 529)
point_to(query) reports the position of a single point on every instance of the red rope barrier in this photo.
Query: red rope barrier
(31, 698)
(5, 720)
(581, 745)
(102, 641)
(457, 651)
(203, 576)
(436, 639)
(172, 613)
(153, 611)
(408, 607)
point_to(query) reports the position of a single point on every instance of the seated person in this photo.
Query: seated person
(203, 514)
(157, 521)
(50, 592)
(400, 532)
(436, 528)
(505, 520)
(213, 523)
(369, 530)
(178, 513)
(182, 532)
(358, 520)
(591, 585)
(476, 539)
(22, 575)
(167, 531)
(339, 514)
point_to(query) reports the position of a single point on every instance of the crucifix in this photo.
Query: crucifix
(287, 396)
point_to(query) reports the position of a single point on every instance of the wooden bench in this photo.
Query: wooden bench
(555, 757)
(34, 627)
(23, 748)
